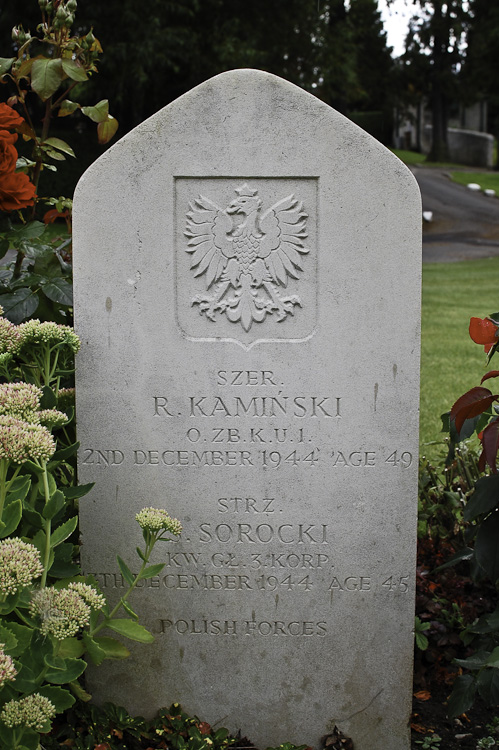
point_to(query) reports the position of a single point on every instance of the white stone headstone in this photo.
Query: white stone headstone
(247, 283)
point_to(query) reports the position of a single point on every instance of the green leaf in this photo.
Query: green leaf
(96, 653)
(487, 548)
(49, 399)
(54, 505)
(74, 71)
(25, 681)
(153, 570)
(125, 571)
(462, 696)
(5, 64)
(98, 113)
(493, 660)
(19, 305)
(46, 76)
(106, 129)
(51, 483)
(64, 453)
(484, 499)
(19, 488)
(22, 634)
(60, 145)
(11, 518)
(130, 629)
(421, 641)
(488, 686)
(8, 639)
(59, 290)
(478, 660)
(32, 516)
(71, 647)
(10, 603)
(4, 246)
(129, 611)
(74, 492)
(73, 668)
(80, 692)
(112, 648)
(61, 699)
(67, 107)
(63, 532)
(30, 230)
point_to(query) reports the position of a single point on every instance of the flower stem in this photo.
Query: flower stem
(48, 529)
(149, 547)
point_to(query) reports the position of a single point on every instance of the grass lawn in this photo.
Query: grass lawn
(450, 362)
(486, 180)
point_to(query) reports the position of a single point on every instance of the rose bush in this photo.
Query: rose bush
(477, 412)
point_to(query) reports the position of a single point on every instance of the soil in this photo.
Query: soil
(430, 718)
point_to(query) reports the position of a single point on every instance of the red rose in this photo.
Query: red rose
(8, 153)
(9, 117)
(16, 191)
(484, 331)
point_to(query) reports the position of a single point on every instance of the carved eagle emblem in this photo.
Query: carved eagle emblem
(246, 255)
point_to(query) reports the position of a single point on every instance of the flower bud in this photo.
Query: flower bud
(90, 38)
(61, 13)
(43, 4)
(71, 5)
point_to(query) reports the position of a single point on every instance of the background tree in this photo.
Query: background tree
(434, 49)
(479, 77)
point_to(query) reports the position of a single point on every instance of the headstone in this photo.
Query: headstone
(247, 279)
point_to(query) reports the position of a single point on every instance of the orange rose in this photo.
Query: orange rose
(8, 154)
(9, 117)
(16, 191)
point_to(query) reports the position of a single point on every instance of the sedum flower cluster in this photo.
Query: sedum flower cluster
(36, 332)
(155, 519)
(24, 427)
(22, 441)
(8, 671)
(20, 564)
(88, 594)
(63, 612)
(32, 711)
(20, 400)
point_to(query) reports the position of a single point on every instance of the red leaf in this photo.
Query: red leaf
(491, 374)
(472, 403)
(483, 331)
(490, 443)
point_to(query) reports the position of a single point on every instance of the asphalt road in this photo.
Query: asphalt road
(465, 224)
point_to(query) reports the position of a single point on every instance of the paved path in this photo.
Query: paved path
(465, 224)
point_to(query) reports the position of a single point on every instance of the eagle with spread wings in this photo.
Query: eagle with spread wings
(246, 255)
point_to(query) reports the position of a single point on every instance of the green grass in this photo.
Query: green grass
(409, 157)
(450, 362)
(486, 180)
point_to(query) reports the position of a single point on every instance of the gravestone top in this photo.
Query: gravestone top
(247, 283)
